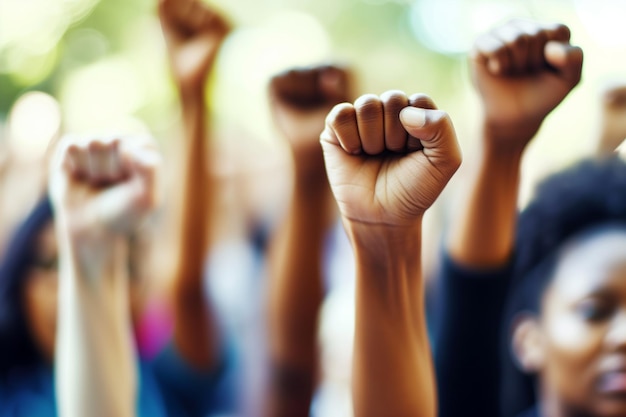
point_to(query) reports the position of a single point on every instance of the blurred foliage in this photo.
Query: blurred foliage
(357, 29)
(104, 60)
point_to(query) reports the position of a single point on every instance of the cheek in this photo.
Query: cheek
(569, 333)
(572, 347)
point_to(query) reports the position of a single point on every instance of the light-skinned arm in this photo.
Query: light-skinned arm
(101, 191)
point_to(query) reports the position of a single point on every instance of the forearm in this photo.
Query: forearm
(295, 297)
(196, 333)
(482, 234)
(95, 355)
(393, 371)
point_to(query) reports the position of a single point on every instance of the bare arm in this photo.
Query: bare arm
(384, 179)
(193, 33)
(522, 70)
(101, 191)
(300, 100)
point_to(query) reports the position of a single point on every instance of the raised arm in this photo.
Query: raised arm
(384, 178)
(193, 33)
(101, 190)
(300, 100)
(522, 71)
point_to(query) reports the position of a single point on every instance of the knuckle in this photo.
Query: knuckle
(394, 100)
(341, 115)
(368, 107)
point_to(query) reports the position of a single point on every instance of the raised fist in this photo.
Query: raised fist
(103, 186)
(388, 158)
(193, 33)
(522, 71)
(300, 100)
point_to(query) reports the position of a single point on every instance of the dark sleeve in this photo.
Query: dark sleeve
(470, 307)
(188, 392)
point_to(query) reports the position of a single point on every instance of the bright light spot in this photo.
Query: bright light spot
(286, 39)
(78, 9)
(101, 94)
(35, 26)
(34, 120)
(251, 56)
(85, 45)
(450, 26)
(604, 20)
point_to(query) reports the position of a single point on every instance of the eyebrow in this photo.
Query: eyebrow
(601, 292)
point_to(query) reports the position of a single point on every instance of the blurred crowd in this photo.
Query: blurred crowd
(389, 254)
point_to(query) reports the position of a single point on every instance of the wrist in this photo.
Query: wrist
(308, 164)
(191, 94)
(497, 158)
(508, 140)
(91, 254)
(384, 246)
(311, 183)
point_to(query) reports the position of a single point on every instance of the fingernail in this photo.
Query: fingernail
(556, 50)
(413, 117)
(494, 66)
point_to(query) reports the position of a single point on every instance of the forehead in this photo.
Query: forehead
(592, 263)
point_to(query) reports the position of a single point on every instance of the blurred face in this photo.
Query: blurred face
(582, 330)
(39, 294)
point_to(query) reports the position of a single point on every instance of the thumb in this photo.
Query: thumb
(145, 167)
(567, 59)
(436, 133)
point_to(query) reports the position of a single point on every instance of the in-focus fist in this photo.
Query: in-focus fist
(388, 158)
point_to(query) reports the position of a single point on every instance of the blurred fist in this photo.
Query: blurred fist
(103, 186)
(193, 33)
(522, 71)
(388, 158)
(300, 100)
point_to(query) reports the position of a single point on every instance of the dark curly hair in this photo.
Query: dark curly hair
(17, 348)
(587, 196)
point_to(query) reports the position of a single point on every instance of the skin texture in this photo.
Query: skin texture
(193, 32)
(522, 71)
(578, 343)
(383, 188)
(101, 191)
(300, 100)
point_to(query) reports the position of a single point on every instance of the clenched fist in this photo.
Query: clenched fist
(300, 99)
(522, 71)
(193, 32)
(103, 186)
(388, 158)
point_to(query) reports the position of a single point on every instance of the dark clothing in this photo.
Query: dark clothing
(533, 412)
(468, 339)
